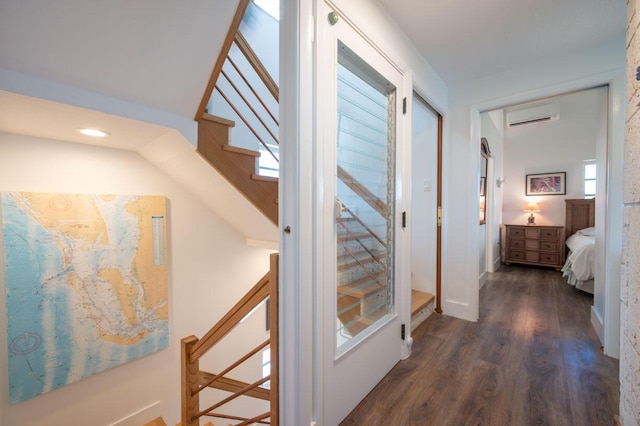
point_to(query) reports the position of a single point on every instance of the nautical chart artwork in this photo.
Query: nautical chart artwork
(86, 285)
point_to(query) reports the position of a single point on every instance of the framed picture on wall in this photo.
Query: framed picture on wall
(546, 184)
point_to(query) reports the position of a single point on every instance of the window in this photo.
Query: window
(589, 178)
(266, 367)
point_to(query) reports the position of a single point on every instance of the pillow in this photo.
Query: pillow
(587, 232)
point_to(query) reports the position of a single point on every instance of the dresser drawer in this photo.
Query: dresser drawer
(516, 231)
(550, 258)
(552, 234)
(517, 255)
(549, 246)
(517, 244)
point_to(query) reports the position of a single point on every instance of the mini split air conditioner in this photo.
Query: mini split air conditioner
(534, 115)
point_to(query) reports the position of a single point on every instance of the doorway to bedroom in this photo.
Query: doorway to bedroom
(562, 137)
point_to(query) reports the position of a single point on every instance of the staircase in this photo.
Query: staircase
(363, 266)
(238, 165)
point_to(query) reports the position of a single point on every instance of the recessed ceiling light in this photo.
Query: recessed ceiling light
(94, 132)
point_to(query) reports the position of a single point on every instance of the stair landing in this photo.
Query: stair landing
(422, 305)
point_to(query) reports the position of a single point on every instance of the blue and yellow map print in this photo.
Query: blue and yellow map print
(86, 285)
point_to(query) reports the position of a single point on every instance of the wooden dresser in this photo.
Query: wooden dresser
(534, 245)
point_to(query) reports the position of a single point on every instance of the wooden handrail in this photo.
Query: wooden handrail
(194, 380)
(257, 65)
(252, 299)
(222, 56)
(369, 197)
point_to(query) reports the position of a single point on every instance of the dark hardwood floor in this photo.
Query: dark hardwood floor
(533, 358)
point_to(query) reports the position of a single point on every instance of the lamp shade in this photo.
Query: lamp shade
(532, 207)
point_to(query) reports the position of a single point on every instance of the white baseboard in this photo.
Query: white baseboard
(497, 264)
(140, 417)
(483, 279)
(598, 324)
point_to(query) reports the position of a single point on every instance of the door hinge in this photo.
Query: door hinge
(402, 332)
(404, 219)
(404, 105)
(439, 215)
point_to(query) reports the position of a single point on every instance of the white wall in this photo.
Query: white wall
(492, 125)
(210, 268)
(555, 146)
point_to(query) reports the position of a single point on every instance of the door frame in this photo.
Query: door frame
(439, 193)
(609, 208)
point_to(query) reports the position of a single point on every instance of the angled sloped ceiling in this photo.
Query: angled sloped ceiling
(156, 53)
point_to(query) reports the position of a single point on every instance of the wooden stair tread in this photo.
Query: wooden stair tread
(419, 300)
(343, 236)
(363, 287)
(346, 261)
(255, 176)
(242, 151)
(220, 120)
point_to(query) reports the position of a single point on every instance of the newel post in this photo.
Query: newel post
(275, 356)
(190, 383)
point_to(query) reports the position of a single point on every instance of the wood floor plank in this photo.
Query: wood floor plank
(532, 358)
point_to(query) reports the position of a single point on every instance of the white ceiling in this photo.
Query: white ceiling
(470, 39)
(156, 53)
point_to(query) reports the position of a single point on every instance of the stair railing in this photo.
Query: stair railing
(194, 380)
(247, 97)
(236, 77)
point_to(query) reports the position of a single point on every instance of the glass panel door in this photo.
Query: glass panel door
(365, 196)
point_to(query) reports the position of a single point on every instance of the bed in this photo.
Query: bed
(579, 226)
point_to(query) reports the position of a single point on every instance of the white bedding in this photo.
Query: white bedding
(581, 257)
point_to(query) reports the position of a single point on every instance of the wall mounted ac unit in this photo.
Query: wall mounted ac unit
(534, 115)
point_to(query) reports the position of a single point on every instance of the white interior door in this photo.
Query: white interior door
(360, 264)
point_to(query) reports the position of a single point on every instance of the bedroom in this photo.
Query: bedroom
(575, 136)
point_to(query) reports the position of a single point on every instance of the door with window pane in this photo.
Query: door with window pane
(362, 138)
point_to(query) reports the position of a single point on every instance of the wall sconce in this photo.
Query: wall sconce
(533, 208)
(499, 182)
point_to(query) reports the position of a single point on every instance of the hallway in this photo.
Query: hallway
(533, 358)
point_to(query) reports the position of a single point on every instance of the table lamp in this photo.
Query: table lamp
(532, 207)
